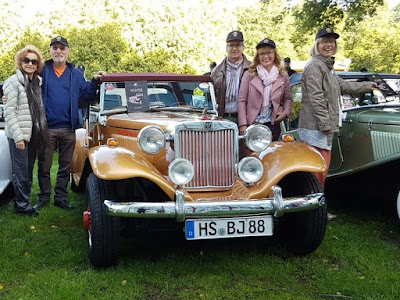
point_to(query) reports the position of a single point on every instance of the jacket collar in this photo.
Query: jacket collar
(329, 62)
(256, 81)
(50, 62)
(23, 77)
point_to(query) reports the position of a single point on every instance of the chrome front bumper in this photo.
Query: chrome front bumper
(180, 210)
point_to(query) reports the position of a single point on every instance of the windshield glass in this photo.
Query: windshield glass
(382, 95)
(145, 95)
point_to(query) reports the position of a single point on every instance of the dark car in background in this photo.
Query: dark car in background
(366, 151)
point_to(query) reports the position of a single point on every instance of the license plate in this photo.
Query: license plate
(218, 228)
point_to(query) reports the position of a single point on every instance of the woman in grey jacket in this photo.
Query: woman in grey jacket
(25, 123)
(320, 113)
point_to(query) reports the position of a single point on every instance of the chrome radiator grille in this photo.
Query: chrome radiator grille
(212, 148)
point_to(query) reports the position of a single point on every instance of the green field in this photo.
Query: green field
(46, 258)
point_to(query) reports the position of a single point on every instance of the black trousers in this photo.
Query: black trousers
(22, 168)
(275, 129)
(64, 141)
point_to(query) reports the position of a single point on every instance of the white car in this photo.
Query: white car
(5, 159)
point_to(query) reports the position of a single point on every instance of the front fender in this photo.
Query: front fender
(283, 158)
(116, 163)
(79, 157)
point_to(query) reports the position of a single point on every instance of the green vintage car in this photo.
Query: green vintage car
(366, 151)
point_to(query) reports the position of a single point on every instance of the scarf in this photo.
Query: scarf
(232, 85)
(267, 78)
(40, 135)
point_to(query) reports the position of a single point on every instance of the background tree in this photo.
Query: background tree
(184, 36)
(315, 14)
(267, 20)
(375, 44)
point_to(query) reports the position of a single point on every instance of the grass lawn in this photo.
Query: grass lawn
(46, 258)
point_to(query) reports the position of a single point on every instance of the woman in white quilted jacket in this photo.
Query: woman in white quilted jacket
(25, 123)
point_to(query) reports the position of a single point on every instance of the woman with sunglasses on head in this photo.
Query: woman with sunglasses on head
(264, 95)
(25, 123)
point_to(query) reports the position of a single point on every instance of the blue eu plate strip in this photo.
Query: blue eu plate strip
(189, 229)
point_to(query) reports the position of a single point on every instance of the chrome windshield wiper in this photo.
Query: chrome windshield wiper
(114, 111)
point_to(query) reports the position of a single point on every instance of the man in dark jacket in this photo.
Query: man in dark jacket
(63, 86)
(289, 70)
(228, 75)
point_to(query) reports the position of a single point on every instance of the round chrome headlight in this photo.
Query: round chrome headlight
(250, 169)
(151, 139)
(257, 137)
(181, 171)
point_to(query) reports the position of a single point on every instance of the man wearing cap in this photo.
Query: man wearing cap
(63, 86)
(286, 63)
(228, 75)
(321, 114)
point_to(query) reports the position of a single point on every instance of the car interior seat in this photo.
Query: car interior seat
(111, 101)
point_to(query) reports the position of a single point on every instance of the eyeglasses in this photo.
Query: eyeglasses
(26, 60)
(234, 45)
(269, 53)
(62, 48)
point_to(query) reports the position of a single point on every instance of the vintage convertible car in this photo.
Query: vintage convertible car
(366, 151)
(155, 153)
(6, 189)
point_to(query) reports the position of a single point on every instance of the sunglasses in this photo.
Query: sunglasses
(62, 48)
(26, 60)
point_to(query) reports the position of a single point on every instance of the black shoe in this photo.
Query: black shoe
(41, 203)
(29, 212)
(63, 204)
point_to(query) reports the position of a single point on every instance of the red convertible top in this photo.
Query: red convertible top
(119, 77)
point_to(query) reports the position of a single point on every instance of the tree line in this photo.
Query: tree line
(183, 36)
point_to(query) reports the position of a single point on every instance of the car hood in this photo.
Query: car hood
(138, 120)
(386, 115)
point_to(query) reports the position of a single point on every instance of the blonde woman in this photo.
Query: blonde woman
(25, 123)
(264, 95)
(321, 89)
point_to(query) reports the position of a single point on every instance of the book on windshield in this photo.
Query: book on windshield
(383, 87)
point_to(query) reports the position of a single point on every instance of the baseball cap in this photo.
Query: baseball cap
(266, 42)
(326, 31)
(286, 59)
(61, 40)
(234, 36)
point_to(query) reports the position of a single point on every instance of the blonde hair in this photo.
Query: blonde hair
(23, 52)
(256, 61)
(314, 49)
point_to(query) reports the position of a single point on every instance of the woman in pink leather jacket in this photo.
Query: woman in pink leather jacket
(264, 95)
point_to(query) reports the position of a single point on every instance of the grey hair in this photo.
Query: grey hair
(314, 49)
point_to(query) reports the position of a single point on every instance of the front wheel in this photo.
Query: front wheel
(103, 230)
(301, 233)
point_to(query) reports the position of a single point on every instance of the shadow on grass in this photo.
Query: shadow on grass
(157, 245)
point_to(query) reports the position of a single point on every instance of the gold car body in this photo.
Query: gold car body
(127, 160)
